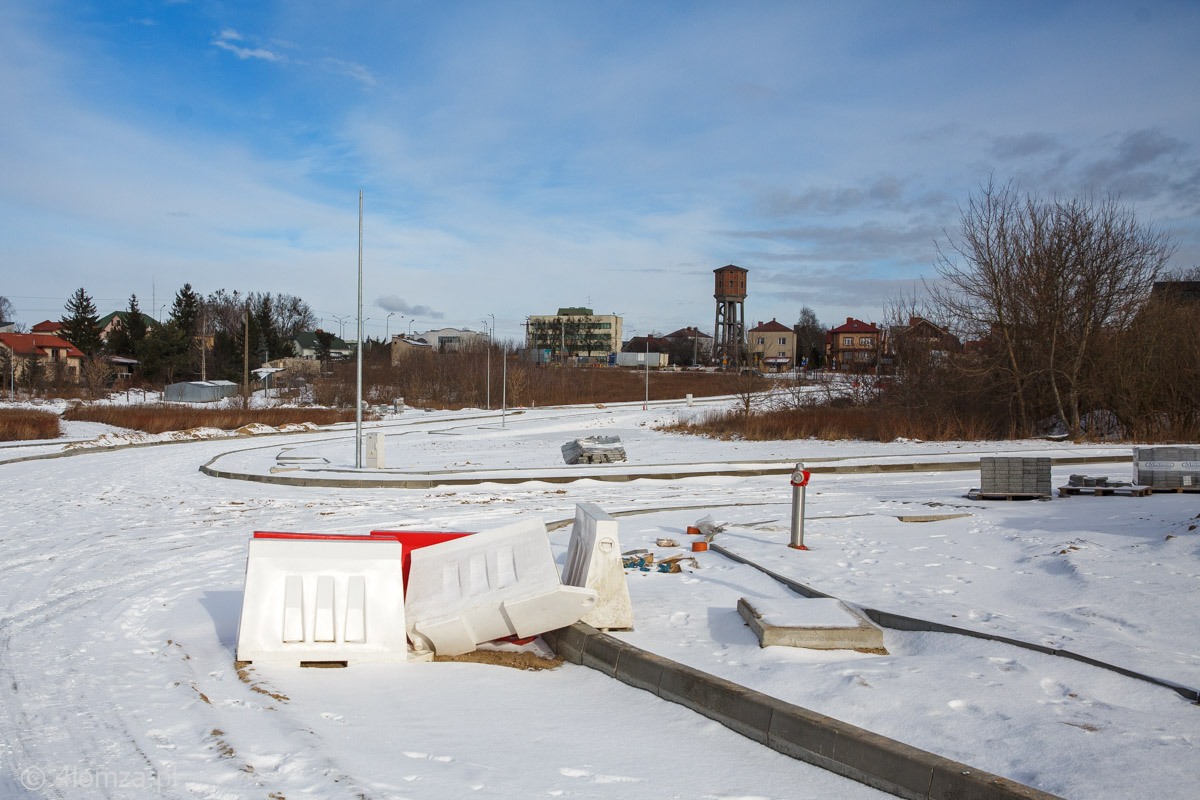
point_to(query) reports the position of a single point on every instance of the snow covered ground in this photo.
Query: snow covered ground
(121, 573)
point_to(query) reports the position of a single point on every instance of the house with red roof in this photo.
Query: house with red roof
(853, 347)
(772, 346)
(51, 352)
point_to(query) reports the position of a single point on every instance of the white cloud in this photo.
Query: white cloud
(350, 69)
(247, 52)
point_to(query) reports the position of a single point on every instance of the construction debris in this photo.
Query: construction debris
(594, 450)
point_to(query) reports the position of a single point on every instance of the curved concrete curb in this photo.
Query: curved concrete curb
(885, 764)
(899, 622)
(427, 481)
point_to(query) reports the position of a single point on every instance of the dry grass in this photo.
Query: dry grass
(20, 424)
(867, 423)
(163, 418)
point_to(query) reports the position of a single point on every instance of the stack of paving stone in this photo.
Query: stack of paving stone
(594, 450)
(1167, 467)
(1029, 476)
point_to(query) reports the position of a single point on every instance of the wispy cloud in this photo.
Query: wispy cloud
(226, 40)
(350, 69)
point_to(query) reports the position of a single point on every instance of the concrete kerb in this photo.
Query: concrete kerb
(878, 761)
(433, 481)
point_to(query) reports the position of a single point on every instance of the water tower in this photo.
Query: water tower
(730, 293)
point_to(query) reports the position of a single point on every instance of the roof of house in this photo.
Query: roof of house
(28, 344)
(855, 326)
(47, 326)
(147, 320)
(688, 333)
(772, 327)
(308, 341)
(730, 266)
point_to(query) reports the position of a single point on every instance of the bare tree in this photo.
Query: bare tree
(1039, 283)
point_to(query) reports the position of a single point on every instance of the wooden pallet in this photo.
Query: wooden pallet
(1172, 489)
(1102, 491)
(975, 494)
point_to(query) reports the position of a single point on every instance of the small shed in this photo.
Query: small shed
(199, 391)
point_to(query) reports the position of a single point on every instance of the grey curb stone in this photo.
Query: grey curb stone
(886, 764)
(432, 482)
(732, 705)
(641, 670)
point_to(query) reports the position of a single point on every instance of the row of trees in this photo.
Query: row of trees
(203, 337)
(1055, 302)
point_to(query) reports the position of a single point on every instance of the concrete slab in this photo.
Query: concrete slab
(816, 623)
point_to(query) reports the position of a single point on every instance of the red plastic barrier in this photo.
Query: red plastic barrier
(412, 540)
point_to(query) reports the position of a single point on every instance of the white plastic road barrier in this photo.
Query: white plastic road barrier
(496, 583)
(313, 600)
(594, 562)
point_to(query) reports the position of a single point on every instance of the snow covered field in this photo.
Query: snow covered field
(121, 573)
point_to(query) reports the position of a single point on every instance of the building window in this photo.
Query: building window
(783, 340)
(866, 341)
(847, 341)
(762, 340)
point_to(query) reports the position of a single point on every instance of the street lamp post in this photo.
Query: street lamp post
(341, 321)
(489, 366)
(387, 326)
(646, 405)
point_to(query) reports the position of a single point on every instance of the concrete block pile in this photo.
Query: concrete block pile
(1009, 475)
(1167, 466)
(594, 450)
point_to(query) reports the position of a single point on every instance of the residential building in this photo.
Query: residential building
(401, 345)
(47, 326)
(306, 346)
(690, 346)
(51, 352)
(920, 339)
(109, 321)
(772, 346)
(448, 340)
(574, 332)
(853, 347)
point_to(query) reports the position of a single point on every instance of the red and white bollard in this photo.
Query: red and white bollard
(800, 478)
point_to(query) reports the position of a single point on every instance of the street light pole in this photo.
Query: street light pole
(646, 405)
(489, 366)
(387, 326)
(359, 348)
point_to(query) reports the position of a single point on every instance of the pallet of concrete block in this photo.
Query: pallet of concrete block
(1100, 487)
(1012, 478)
(594, 450)
(1167, 468)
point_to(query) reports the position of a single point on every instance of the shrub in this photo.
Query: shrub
(20, 424)
(154, 418)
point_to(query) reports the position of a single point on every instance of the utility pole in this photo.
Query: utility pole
(489, 361)
(359, 348)
(646, 405)
(246, 357)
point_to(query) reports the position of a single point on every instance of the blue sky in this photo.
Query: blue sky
(519, 157)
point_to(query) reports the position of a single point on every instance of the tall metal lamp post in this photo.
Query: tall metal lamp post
(646, 405)
(359, 348)
(387, 326)
(489, 361)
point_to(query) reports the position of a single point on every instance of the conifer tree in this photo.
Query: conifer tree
(80, 325)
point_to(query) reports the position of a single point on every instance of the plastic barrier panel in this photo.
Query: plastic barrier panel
(415, 540)
(496, 583)
(594, 562)
(315, 598)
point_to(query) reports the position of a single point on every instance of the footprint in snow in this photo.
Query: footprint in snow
(334, 717)
(680, 618)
